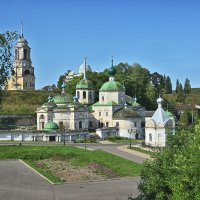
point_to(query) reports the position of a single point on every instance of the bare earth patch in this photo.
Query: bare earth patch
(70, 173)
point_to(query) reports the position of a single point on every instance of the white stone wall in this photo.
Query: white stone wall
(108, 96)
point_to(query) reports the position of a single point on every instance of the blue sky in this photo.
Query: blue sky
(161, 35)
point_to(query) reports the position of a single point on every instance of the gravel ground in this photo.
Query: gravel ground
(70, 173)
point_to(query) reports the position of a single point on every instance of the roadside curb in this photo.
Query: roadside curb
(36, 171)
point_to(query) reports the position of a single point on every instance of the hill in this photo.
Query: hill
(192, 98)
(27, 102)
(23, 102)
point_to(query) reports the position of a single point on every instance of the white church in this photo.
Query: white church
(115, 114)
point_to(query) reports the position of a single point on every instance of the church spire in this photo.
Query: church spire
(85, 65)
(112, 61)
(22, 30)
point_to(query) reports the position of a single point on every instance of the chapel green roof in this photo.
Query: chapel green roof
(110, 103)
(49, 105)
(50, 126)
(112, 86)
(124, 113)
(63, 98)
(84, 84)
(169, 114)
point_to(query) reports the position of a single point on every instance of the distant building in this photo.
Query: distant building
(22, 77)
(72, 74)
(158, 126)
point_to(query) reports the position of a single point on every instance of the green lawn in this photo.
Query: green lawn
(142, 150)
(75, 156)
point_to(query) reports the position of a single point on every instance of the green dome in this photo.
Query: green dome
(124, 113)
(112, 86)
(84, 84)
(50, 126)
(63, 98)
(169, 114)
(49, 105)
(112, 71)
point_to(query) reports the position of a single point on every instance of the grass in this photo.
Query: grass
(76, 156)
(122, 140)
(142, 150)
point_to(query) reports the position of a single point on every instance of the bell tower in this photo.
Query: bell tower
(22, 77)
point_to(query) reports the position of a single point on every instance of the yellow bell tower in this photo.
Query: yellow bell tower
(22, 77)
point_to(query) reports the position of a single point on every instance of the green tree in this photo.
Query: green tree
(158, 82)
(187, 86)
(180, 97)
(60, 81)
(173, 173)
(168, 85)
(177, 85)
(7, 41)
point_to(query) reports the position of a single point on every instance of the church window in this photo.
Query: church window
(102, 98)
(16, 54)
(159, 138)
(84, 94)
(107, 124)
(150, 137)
(78, 94)
(90, 124)
(25, 54)
(90, 95)
(117, 124)
(80, 125)
(99, 113)
(106, 113)
(41, 116)
(61, 126)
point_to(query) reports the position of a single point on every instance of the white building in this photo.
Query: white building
(158, 126)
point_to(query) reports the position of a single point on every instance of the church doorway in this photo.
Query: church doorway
(52, 138)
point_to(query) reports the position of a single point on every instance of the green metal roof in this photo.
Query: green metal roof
(169, 114)
(112, 86)
(50, 126)
(49, 105)
(131, 101)
(63, 98)
(124, 113)
(110, 103)
(84, 84)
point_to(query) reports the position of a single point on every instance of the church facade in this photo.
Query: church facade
(114, 110)
(22, 77)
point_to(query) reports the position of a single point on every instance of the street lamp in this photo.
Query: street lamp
(130, 131)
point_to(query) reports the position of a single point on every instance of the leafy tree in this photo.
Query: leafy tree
(6, 46)
(173, 173)
(158, 82)
(184, 118)
(177, 85)
(187, 86)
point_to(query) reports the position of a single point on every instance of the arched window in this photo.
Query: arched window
(25, 54)
(150, 137)
(90, 95)
(159, 137)
(80, 125)
(61, 126)
(41, 116)
(102, 98)
(16, 54)
(84, 94)
(78, 94)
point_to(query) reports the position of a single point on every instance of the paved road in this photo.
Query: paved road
(112, 148)
(18, 182)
